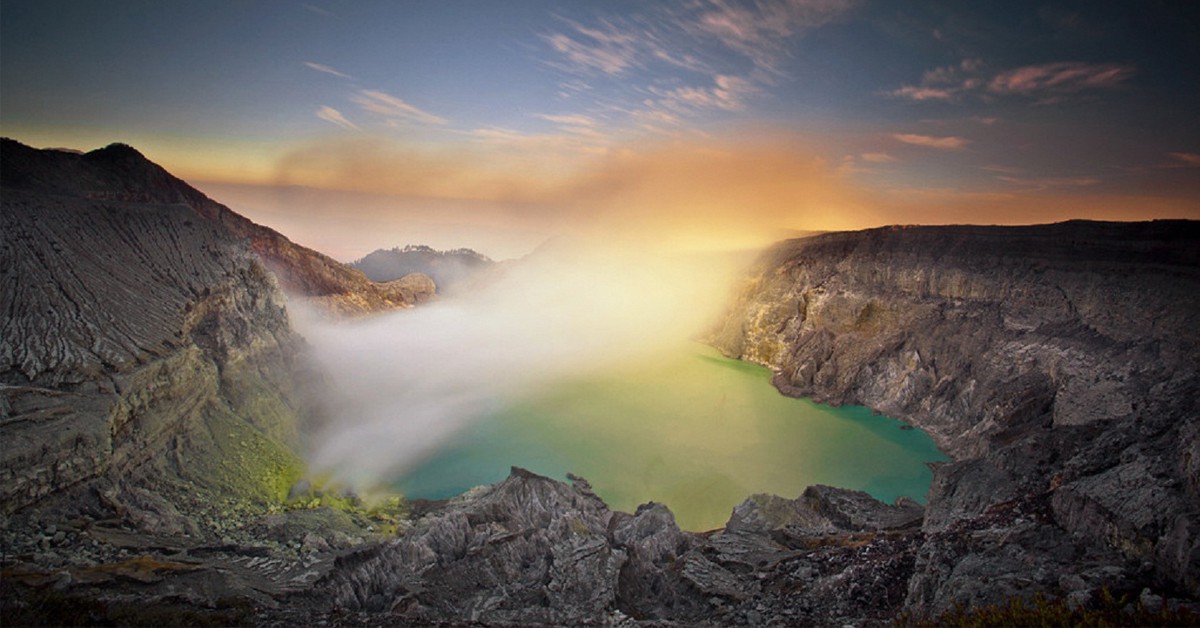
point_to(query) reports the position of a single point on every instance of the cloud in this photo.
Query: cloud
(316, 9)
(727, 93)
(946, 83)
(391, 107)
(1001, 169)
(327, 70)
(738, 47)
(1190, 159)
(878, 158)
(758, 29)
(913, 92)
(573, 139)
(929, 141)
(573, 120)
(329, 114)
(1049, 82)
(605, 49)
(1042, 183)
(1060, 78)
(707, 192)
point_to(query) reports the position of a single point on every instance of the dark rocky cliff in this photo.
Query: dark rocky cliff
(1057, 364)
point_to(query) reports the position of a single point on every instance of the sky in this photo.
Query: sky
(702, 124)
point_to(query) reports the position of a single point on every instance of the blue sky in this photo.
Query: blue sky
(519, 115)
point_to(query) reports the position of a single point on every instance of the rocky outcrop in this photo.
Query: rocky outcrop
(1057, 364)
(445, 268)
(139, 336)
(534, 550)
(119, 173)
(118, 350)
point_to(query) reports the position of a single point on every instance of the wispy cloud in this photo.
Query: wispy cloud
(1049, 82)
(1001, 169)
(316, 9)
(605, 49)
(1188, 159)
(329, 114)
(727, 93)
(919, 93)
(878, 158)
(693, 58)
(929, 141)
(1044, 183)
(758, 29)
(319, 67)
(573, 120)
(574, 140)
(393, 108)
(945, 83)
(1060, 78)
(580, 126)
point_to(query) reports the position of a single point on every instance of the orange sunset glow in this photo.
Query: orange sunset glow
(725, 125)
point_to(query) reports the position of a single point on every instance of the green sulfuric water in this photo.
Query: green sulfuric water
(696, 431)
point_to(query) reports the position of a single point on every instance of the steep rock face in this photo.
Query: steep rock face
(120, 173)
(1057, 364)
(139, 340)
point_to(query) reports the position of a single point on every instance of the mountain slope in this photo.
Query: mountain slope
(120, 173)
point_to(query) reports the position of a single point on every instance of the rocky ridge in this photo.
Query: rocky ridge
(531, 550)
(119, 173)
(445, 268)
(151, 386)
(1057, 364)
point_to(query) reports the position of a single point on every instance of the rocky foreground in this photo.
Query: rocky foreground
(152, 394)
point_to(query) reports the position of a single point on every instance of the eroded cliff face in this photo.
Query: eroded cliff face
(151, 396)
(1057, 364)
(140, 336)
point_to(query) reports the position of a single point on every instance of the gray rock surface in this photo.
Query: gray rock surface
(151, 386)
(1057, 364)
(532, 550)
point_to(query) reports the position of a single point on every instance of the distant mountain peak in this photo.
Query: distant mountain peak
(445, 267)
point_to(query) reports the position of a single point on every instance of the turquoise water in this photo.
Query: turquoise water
(696, 431)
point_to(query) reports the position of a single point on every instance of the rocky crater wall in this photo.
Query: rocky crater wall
(138, 336)
(1057, 364)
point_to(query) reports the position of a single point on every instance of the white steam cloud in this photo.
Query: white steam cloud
(408, 381)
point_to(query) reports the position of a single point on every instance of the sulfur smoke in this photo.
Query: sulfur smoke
(406, 382)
